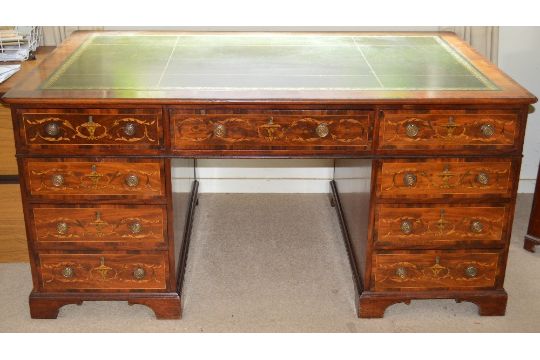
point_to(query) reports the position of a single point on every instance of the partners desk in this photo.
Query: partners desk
(436, 128)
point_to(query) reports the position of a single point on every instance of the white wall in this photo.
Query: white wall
(519, 57)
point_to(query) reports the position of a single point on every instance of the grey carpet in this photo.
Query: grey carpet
(277, 263)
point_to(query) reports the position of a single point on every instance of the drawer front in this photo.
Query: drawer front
(452, 130)
(314, 130)
(113, 226)
(61, 272)
(106, 178)
(439, 179)
(128, 128)
(429, 226)
(441, 270)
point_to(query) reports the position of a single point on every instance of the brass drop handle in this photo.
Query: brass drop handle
(68, 272)
(52, 129)
(57, 180)
(139, 273)
(409, 179)
(322, 130)
(401, 272)
(132, 180)
(406, 227)
(412, 130)
(471, 271)
(135, 227)
(487, 130)
(477, 227)
(220, 130)
(61, 228)
(482, 178)
(130, 129)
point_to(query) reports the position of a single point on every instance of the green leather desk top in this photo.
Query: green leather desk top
(201, 67)
(156, 62)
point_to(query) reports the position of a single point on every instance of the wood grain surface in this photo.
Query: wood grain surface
(103, 271)
(438, 270)
(13, 247)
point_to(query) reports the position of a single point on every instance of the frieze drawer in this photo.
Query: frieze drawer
(440, 225)
(446, 178)
(68, 178)
(435, 270)
(61, 272)
(438, 130)
(311, 130)
(101, 227)
(119, 129)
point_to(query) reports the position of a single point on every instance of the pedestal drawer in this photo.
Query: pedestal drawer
(440, 226)
(64, 272)
(446, 178)
(278, 129)
(68, 178)
(439, 130)
(435, 270)
(101, 227)
(74, 129)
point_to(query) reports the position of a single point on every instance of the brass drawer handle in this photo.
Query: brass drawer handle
(487, 130)
(409, 179)
(471, 271)
(68, 272)
(130, 129)
(220, 130)
(132, 180)
(412, 130)
(406, 227)
(322, 130)
(57, 180)
(482, 178)
(62, 228)
(477, 227)
(52, 129)
(401, 272)
(139, 273)
(135, 227)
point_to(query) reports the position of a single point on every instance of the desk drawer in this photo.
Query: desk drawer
(68, 178)
(128, 129)
(103, 226)
(64, 272)
(448, 130)
(446, 178)
(440, 225)
(435, 270)
(314, 130)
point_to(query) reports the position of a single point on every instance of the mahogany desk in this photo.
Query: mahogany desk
(436, 128)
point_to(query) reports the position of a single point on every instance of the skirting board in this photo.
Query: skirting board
(295, 186)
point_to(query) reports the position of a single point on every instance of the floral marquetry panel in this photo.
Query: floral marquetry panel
(440, 225)
(449, 130)
(129, 227)
(127, 128)
(61, 272)
(306, 130)
(435, 270)
(103, 178)
(442, 178)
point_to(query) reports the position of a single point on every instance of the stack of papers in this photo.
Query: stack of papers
(7, 70)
